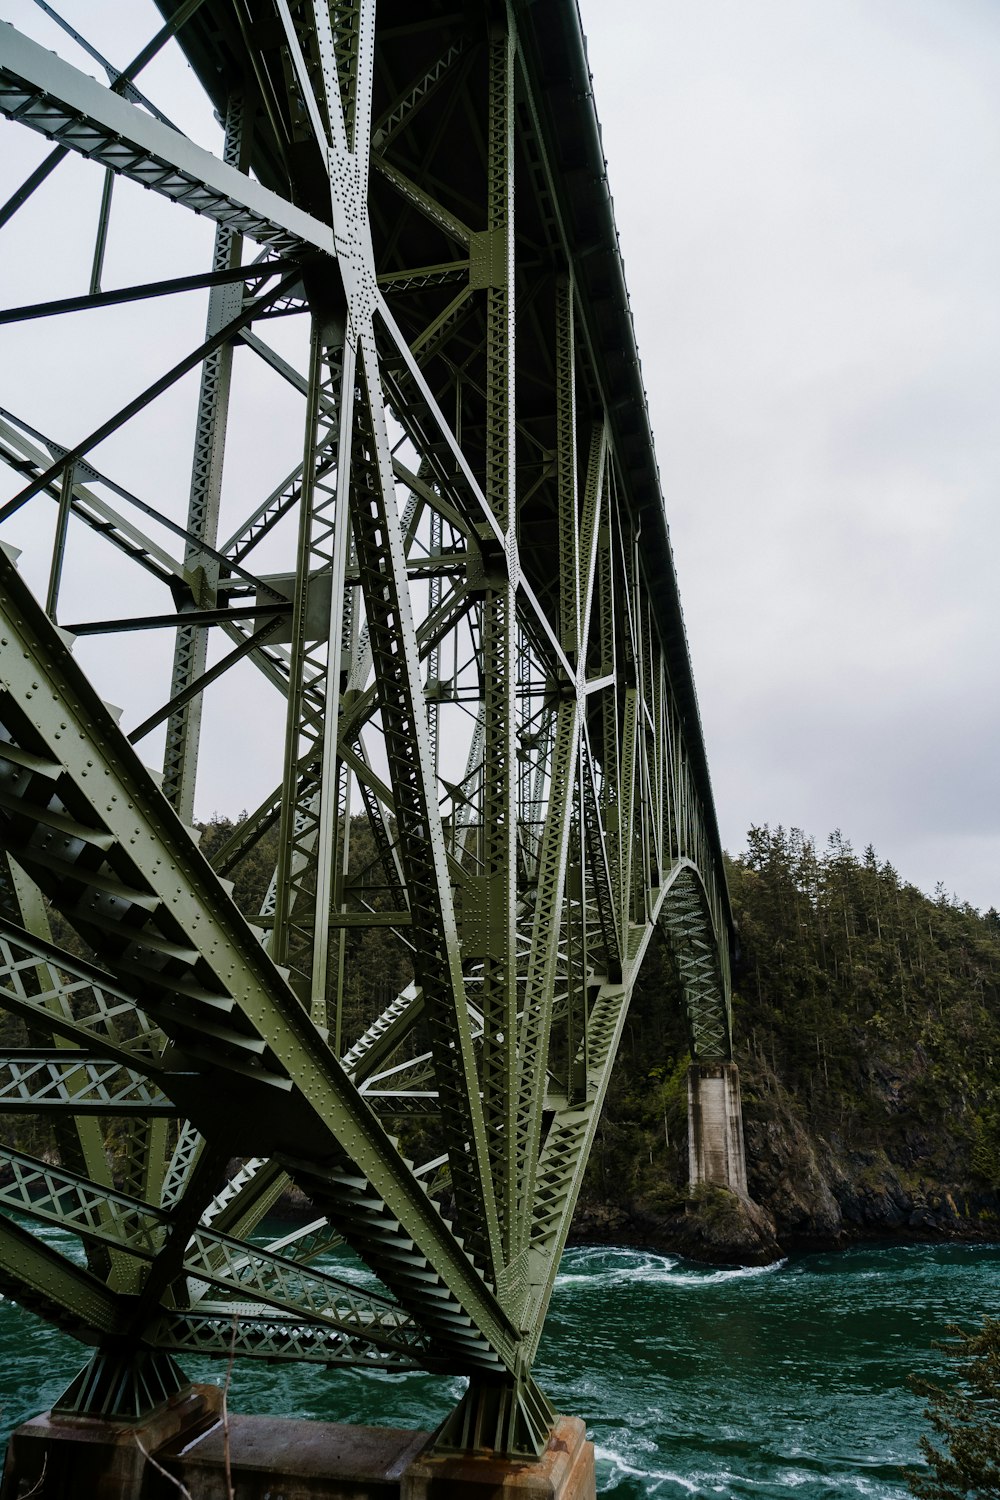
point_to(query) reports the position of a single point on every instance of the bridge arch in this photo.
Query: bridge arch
(687, 914)
(700, 956)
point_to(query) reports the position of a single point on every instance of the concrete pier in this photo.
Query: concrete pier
(61, 1457)
(716, 1155)
(271, 1458)
(565, 1471)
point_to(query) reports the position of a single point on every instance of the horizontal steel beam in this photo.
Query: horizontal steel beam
(262, 271)
(44, 92)
(65, 1080)
(239, 1330)
(183, 617)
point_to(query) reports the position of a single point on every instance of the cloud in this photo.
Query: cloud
(808, 210)
(811, 230)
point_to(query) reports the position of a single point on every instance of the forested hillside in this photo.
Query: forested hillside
(867, 1021)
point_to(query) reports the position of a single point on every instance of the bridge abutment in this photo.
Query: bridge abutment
(716, 1155)
(187, 1449)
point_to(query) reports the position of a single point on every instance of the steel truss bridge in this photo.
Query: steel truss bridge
(460, 605)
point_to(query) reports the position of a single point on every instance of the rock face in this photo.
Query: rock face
(817, 1179)
(872, 1178)
(715, 1227)
(827, 1190)
(809, 1191)
(866, 1026)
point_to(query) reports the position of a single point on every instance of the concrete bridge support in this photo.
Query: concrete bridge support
(716, 1154)
(186, 1447)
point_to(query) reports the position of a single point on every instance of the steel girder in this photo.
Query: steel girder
(491, 767)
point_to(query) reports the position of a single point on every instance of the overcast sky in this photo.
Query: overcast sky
(808, 196)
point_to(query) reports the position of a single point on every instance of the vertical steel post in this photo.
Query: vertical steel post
(59, 540)
(499, 990)
(300, 937)
(180, 756)
(569, 526)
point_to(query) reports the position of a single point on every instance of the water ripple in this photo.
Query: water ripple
(694, 1381)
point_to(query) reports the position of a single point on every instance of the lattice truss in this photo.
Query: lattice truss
(491, 748)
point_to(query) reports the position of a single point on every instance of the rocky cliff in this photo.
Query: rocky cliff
(867, 1028)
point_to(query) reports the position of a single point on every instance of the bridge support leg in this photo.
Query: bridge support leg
(96, 1440)
(716, 1156)
(509, 1417)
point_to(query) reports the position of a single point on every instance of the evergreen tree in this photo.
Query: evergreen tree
(966, 1418)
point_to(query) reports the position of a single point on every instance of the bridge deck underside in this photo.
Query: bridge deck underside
(491, 769)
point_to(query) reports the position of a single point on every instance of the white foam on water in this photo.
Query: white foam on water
(857, 1484)
(585, 1266)
(726, 1482)
(60, 1239)
(655, 1480)
(654, 1270)
(629, 1265)
(721, 1277)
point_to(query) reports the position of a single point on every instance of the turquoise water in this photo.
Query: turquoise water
(693, 1381)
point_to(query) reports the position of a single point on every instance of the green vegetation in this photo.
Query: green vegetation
(965, 1417)
(867, 1026)
(874, 1008)
(856, 987)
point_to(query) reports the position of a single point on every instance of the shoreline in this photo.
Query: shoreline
(744, 1235)
(717, 1229)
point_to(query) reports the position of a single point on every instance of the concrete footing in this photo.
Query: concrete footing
(272, 1458)
(56, 1457)
(565, 1471)
(716, 1155)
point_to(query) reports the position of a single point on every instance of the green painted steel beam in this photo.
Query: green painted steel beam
(37, 1276)
(41, 91)
(269, 1045)
(216, 1260)
(48, 987)
(492, 790)
(246, 1333)
(65, 1081)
